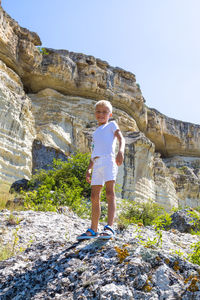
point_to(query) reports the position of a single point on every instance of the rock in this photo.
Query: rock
(166, 193)
(17, 44)
(43, 156)
(114, 291)
(166, 279)
(16, 127)
(18, 185)
(184, 173)
(54, 266)
(185, 220)
(172, 137)
(144, 175)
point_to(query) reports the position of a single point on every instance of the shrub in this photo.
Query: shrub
(43, 50)
(64, 184)
(162, 221)
(194, 257)
(137, 212)
(12, 247)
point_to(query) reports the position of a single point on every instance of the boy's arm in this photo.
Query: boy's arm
(120, 154)
(89, 171)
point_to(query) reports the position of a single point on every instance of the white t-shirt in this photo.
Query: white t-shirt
(104, 141)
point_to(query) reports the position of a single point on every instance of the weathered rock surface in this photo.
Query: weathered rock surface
(172, 137)
(145, 176)
(17, 129)
(185, 175)
(55, 116)
(185, 220)
(18, 185)
(17, 45)
(54, 266)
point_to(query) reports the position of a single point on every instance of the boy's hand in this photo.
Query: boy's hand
(120, 154)
(89, 171)
(119, 158)
(88, 176)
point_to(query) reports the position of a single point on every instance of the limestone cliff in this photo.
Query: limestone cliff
(17, 129)
(47, 99)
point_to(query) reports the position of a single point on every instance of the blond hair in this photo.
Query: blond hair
(105, 103)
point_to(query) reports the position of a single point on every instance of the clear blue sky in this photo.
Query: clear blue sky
(157, 40)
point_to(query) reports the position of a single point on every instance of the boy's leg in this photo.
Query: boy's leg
(96, 207)
(110, 195)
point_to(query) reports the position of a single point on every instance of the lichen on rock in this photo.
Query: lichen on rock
(55, 266)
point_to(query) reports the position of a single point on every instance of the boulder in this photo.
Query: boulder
(185, 221)
(19, 185)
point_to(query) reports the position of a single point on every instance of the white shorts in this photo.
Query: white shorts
(104, 169)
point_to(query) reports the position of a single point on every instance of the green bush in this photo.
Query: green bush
(43, 51)
(63, 185)
(194, 257)
(162, 221)
(194, 214)
(137, 212)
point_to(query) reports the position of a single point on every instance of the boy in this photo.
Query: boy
(104, 165)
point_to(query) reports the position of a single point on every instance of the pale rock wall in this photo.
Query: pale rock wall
(138, 167)
(185, 174)
(17, 129)
(172, 137)
(165, 191)
(144, 175)
(17, 45)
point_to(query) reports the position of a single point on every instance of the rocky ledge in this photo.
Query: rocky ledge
(137, 264)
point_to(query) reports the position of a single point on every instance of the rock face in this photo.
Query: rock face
(185, 175)
(185, 220)
(17, 45)
(172, 137)
(54, 266)
(17, 129)
(47, 99)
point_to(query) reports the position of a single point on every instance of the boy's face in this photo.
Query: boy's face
(102, 114)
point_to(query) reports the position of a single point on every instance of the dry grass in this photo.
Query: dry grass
(6, 251)
(4, 194)
(6, 199)
(11, 247)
